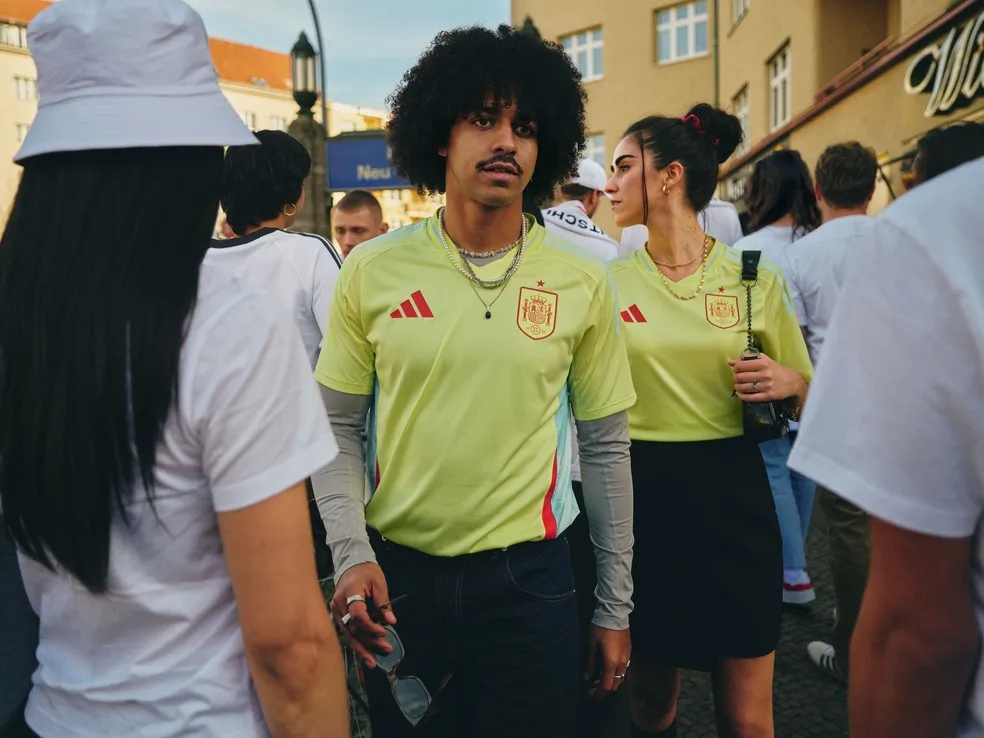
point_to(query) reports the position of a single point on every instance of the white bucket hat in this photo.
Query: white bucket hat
(115, 74)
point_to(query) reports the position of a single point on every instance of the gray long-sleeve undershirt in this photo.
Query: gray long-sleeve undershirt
(339, 489)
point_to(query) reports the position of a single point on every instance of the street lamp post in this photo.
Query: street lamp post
(312, 135)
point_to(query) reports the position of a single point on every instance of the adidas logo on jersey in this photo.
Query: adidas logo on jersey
(633, 314)
(415, 307)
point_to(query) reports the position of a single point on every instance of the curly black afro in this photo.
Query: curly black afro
(452, 78)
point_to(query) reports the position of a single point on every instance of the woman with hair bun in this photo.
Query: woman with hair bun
(708, 553)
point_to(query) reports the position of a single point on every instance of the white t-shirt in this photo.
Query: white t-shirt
(299, 269)
(570, 221)
(816, 266)
(719, 219)
(895, 420)
(161, 654)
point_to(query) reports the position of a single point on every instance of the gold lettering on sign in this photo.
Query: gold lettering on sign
(950, 71)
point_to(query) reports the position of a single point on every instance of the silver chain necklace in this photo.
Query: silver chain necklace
(487, 254)
(465, 269)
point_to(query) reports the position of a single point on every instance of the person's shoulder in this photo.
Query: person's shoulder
(941, 216)
(624, 264)
(310, 244)
(591, 266)
(222, 294)
(769, 273)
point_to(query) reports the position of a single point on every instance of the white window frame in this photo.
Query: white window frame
(13, 35)
(588, 42)
(25, 88)
(738, 10)
(741, 110)
(780, 89)
(249, 119)
(22, 129)
(690, 22)
(595, 148)
(278, 123)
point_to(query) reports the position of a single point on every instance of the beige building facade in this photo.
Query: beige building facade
(800, 74)
(256, 82)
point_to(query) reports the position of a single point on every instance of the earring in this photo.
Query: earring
(293, 209)
(665, 190)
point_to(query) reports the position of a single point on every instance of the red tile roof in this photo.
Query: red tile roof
(236, 63)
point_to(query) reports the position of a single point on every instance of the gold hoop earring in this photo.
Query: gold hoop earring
(665, 190)
(293, 211)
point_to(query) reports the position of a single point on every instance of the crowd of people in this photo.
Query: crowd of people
(537, 470)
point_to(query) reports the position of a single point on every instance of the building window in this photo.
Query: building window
(595, 148)
(278, 123)
(11, 35)
(681, 32)
(346, 126)
(586, 50)
(780, 107)
(249, 119)
(22, 129)
(25, 88)
(738, 9)
(739, 106)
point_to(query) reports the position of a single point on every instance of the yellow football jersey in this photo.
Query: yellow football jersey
(679, 349)
(469, 447)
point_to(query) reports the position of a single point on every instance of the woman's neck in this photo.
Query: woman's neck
(476, 227)
(675, 240)
(786, 221)
(279, 223)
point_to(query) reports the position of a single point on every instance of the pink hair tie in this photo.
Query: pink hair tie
(699, 127)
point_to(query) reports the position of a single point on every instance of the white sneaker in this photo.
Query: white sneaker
(825, 657)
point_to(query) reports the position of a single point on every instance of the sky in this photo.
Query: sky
(370, 43)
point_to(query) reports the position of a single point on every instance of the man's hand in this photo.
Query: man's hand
(365, 636)
(608, 653)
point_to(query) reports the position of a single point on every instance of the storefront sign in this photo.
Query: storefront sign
(361, 162)
(951, 71)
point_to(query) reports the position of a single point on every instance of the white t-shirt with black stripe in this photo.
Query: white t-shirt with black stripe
(299, 269)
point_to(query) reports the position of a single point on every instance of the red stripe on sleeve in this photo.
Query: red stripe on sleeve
(408, 309)
(637, 314)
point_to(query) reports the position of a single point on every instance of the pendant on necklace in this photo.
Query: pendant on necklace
(488, 314)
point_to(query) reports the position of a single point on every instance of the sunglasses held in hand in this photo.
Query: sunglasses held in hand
(410, 694)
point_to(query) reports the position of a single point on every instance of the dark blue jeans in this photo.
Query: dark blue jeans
(498, 629)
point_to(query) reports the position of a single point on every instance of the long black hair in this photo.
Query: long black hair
(781, 184)
(701, 141)
(98, 276)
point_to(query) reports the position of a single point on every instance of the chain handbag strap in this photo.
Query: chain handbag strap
(749, 278)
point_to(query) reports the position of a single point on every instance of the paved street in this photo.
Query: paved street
(807, 704)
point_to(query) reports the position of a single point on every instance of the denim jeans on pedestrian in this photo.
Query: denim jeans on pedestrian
(493, 636)
(793, 494)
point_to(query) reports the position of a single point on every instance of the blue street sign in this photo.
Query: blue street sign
(361, 162)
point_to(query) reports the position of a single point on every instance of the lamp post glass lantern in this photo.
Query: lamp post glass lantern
(305, 75)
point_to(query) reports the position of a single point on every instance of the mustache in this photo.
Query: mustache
(501, 159)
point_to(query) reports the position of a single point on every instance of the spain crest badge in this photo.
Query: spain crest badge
(722, 310)
(536, 314)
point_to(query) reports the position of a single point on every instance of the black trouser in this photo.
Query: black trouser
(498, 629)
(607, 717)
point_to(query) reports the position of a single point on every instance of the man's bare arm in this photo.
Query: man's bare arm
(917, 638)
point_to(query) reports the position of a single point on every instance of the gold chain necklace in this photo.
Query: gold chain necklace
(705, 252)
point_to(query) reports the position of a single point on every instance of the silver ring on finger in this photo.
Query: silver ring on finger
(346, 618)
(620, 676)
(354, 598)
(755, 386)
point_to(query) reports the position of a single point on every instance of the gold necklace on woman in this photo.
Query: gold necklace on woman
(705, 251)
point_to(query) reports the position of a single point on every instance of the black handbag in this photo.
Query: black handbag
(761, 421)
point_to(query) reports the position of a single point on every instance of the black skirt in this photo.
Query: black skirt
(707, 564)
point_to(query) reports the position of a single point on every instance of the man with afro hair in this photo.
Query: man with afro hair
(472, 336)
